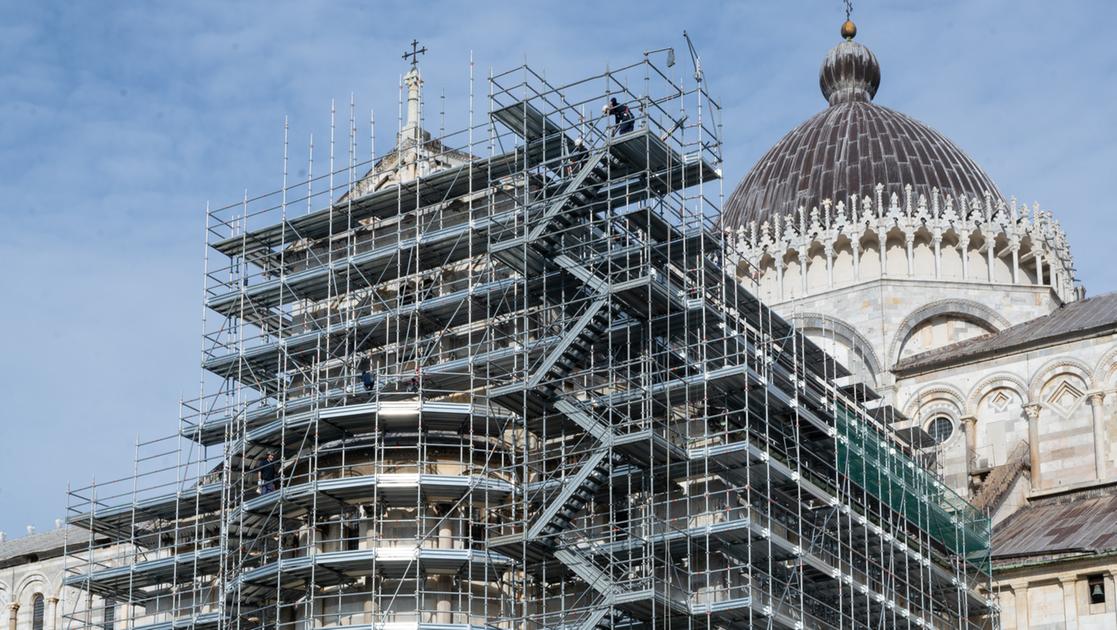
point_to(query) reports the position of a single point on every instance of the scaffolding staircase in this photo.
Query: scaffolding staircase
(573, 199)
(634, 594)
(575, 347)
(529, 254)
(576, 493)
(600, 618)
(549, 241)
(672, 453)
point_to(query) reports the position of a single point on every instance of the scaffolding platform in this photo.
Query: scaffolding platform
(511, 378)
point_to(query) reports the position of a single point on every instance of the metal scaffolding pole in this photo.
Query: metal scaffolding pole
(514, 376)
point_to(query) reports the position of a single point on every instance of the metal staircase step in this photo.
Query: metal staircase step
(553, 508)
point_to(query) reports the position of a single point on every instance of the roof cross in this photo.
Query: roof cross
(415, 52)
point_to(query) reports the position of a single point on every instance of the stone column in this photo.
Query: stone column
(1032, 411)
(13, 615)
(937, 240)
(1110, 588)
(1039, 268)
(445, 535)
(438, 588)
(964, 249)
(314, 609)
(829, 265)
(1016, 263)
(909, 242)
(882, 245)
(990, 255)
(52, 613)
(803, 269)
(779, 275)
(1096, 399)
(1021, 593)
(1070, 608)
(970, 431)
(855, 246)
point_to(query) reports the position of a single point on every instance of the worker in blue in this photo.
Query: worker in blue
(366, 377)
(623, 119)
(268, 472)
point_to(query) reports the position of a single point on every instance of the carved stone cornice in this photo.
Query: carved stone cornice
(1033, 234)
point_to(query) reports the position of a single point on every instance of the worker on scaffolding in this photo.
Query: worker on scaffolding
(268, 473)
(623, 120)
(577, 156)
(366, 377)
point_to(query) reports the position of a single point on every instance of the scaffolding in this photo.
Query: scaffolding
(512, 378)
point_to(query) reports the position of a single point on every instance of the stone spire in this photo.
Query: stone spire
(412, 131)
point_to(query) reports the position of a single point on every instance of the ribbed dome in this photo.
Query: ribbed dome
(850, 147)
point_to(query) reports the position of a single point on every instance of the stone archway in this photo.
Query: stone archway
(968, 310)
(857, 342)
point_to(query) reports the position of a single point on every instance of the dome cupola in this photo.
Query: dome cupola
(850, 71)
(850, 147)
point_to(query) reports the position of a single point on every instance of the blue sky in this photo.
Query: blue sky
(120, 120)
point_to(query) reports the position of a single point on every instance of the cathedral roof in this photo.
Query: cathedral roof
(1075, 320)
(48, 544)
(1083, 524)
(850, 147)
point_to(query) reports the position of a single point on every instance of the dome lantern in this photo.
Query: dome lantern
(850, 71)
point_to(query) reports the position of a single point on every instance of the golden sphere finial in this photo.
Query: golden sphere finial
(849, 30)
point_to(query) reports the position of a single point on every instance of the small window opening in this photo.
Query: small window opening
(351, 532)
(1095, 585)
(940, 429)
(37, 612)
(110, 615)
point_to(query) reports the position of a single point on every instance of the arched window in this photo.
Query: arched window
(38, 612)
(109, 618)
(940, 428)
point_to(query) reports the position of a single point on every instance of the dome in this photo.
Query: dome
(849, 148)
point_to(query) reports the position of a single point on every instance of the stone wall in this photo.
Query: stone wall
(20, 584)
(1053, 596)
(868, 326)
(1061, 400)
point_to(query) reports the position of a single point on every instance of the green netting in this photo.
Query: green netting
(872, 461)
